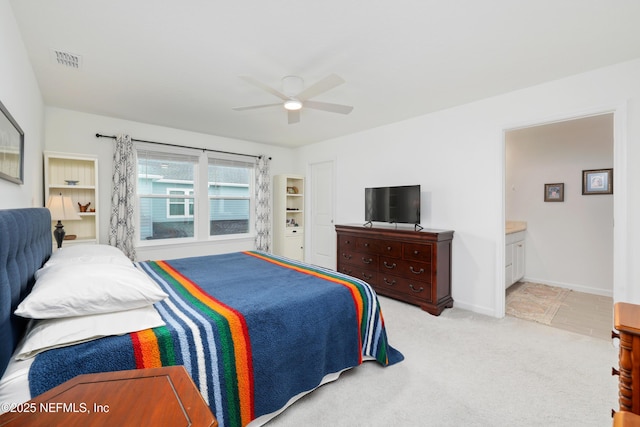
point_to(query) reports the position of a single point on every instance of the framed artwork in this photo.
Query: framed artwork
(597, 181)
(554, 192)
(11, 148)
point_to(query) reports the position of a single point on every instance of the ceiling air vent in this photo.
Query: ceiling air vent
(66, 59)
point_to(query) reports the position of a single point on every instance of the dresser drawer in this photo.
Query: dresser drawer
(367, 261)
(417, 252)
(412, 288)
(369, 276)
(377, 246)
(347, 255)
(410, 269)
(346, 243)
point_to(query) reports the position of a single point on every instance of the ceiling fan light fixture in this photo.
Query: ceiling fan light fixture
(292, 105)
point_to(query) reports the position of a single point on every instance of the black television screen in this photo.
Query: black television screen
(393, 204)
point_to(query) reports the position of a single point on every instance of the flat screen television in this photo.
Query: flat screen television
(393, 204)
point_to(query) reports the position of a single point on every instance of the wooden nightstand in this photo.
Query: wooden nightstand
(626, 320)
(626, 419)
(158, 396)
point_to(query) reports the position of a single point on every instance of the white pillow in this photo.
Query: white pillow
(102, 254)
(67, 290)
(47, 334)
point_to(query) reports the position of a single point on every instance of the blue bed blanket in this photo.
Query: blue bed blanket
(252, 329)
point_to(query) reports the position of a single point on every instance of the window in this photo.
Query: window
(194, 197)
(166, 195)
(229, 196)
(179, 207)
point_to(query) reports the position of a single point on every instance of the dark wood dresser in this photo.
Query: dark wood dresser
(412, 266)
(626, 320)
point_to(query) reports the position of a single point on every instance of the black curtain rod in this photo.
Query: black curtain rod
(182, 146)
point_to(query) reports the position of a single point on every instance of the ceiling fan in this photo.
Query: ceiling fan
(295, 97)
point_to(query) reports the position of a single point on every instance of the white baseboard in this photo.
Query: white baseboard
(487, 311)
(572, 286)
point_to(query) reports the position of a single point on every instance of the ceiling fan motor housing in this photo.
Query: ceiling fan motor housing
(292, 85)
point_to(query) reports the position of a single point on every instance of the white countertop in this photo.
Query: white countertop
(514, 226)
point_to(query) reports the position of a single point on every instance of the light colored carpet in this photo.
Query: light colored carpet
(466, 369)
(534, 301)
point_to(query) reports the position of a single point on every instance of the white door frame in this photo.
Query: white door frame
(621, 292)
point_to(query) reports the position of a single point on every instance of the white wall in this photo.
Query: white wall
(457, 156)
(570, 243)
(74, 132)
(20, 94)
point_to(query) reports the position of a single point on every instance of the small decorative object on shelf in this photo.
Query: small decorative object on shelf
(71, 182)
(83, 208)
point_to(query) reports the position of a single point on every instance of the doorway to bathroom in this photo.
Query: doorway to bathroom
(569, 242)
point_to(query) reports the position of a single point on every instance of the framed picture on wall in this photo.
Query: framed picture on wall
(554, 192)
(11, 148)
(597, 181)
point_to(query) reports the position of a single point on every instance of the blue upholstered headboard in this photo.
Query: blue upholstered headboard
(25, 245)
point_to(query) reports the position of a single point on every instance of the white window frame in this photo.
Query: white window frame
(200, 197)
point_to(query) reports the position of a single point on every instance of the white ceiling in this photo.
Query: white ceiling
(176, 63)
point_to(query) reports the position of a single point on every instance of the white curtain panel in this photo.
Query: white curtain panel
(263, 205)
(122, 229)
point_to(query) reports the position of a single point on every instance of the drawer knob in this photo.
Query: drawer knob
(416, 252)
(390, 267)
(367, 260)
(390, 283)
(615, 335)
(388, 248)
(413, 288)
(614, 371)
(347, 256)
(366, 276)
(416, 272)
(366, 245)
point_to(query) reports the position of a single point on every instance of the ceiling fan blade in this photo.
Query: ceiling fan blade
(293, 116)
(253, 107)
(323, 85)
(326, 106)
(264, 87)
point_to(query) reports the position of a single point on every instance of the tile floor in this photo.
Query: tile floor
(586, 314)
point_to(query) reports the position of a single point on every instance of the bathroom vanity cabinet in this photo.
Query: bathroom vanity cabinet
(514, 257)
(515, 247)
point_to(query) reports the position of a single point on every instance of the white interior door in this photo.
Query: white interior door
(323, 234)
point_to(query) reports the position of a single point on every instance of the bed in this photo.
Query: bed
(255, 331)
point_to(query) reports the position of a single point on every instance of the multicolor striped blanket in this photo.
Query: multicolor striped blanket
(252, 329)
